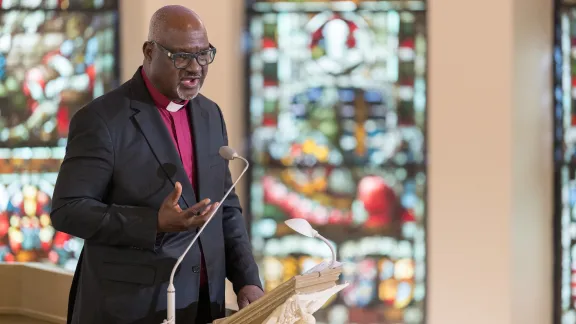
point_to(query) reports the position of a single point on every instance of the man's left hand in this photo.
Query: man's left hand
(248, 294)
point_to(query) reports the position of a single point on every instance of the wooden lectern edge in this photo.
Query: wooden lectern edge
(277, 293)
(254, 304)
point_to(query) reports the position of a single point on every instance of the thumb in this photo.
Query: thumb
(175, 195)
(242, 302)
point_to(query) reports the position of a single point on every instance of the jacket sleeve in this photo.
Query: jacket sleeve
(83, 183)
(241, 268)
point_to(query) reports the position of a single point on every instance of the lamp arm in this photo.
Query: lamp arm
(331, 249)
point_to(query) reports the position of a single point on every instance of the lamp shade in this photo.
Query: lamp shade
(301, 226)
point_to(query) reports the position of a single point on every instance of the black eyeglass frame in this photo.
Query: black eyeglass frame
(190, 56)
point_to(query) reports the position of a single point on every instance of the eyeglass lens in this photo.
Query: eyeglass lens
(182, 61)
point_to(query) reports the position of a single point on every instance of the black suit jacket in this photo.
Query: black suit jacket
(120, 164)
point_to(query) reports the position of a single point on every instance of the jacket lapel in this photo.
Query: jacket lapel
(159, 140)
(200, 126)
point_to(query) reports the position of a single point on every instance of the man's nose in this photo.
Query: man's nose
(194, 67)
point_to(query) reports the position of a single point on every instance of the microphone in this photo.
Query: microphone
(229, 154)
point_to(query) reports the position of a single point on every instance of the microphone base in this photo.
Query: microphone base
(171, 304)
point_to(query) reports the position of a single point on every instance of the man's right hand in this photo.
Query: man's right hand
(171, 218)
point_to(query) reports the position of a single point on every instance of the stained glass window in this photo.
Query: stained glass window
(52, 62)
(337, 106)
(59, 4)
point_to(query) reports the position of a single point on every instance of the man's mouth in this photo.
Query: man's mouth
(190, 82)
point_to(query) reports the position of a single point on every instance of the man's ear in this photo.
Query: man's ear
(147, 51)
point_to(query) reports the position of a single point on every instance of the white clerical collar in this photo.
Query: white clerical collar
(174, 107)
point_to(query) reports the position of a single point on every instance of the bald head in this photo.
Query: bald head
(174, 18)
(177, 53)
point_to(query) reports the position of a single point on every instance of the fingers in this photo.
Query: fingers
(198, 218)
(193, 222)
(198, 208)
(206, 211)
(175, 195)
(209, 210)
(202, 206)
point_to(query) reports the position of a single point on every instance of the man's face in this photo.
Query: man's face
(176, 84)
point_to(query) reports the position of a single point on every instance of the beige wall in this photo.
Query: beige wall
(490, 141)
(490, 162)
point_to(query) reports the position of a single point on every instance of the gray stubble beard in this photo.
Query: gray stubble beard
(185, 97)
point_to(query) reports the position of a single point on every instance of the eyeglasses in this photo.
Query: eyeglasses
(183, 60)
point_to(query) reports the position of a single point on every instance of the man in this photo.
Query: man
(141, 168)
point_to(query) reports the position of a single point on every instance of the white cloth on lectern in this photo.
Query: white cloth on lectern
(298, 309)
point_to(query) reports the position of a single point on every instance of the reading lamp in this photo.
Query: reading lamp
(302, 226)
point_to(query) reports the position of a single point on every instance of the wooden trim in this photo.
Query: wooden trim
(32, 314)
(25, 288)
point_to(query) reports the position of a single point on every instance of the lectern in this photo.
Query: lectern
(294, 301)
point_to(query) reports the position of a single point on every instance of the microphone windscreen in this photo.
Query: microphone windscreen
(227, 152)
